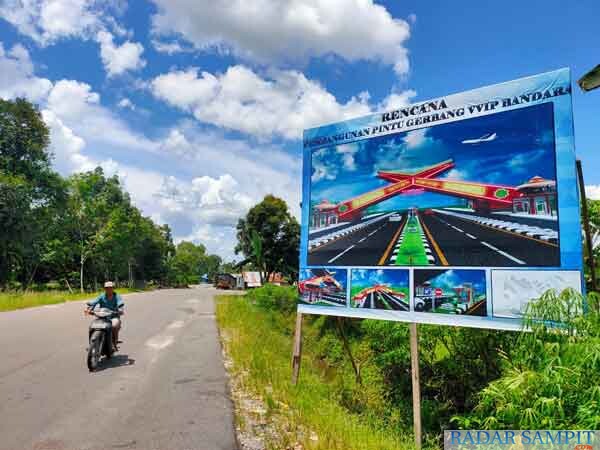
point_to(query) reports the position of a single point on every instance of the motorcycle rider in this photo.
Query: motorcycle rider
(113, 301)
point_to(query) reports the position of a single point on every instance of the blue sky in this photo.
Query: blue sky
(363, 278)
(521, 147)
(449, 279)
(199, 105)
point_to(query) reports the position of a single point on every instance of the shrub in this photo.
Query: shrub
(551, 379)
(53, 285)
(275, 298)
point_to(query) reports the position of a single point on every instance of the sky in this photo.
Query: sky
(519, 146)
(199, 105)
(362, 278)
(447, 280)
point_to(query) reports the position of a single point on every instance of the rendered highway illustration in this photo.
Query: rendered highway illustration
(438, 237)
(471, 193)
(381, 297)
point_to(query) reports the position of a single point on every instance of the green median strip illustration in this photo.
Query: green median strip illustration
(412, 250)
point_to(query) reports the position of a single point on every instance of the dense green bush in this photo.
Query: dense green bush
(275, 298)
(53, 285)
(545, 378)
(551, 379)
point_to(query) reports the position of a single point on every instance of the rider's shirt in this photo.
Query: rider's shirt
(103, 301)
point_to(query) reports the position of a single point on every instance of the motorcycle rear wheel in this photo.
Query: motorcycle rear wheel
(94, 350)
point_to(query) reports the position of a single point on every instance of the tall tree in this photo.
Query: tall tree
(94, 200)
(30, 191)
(186, 264)
(269, 237)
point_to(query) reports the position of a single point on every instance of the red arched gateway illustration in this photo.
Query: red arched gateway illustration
(485, 196)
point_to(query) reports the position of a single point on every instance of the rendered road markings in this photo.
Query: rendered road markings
(457, 229)
(176, 324)
(503, 253)
(353, 245)
(374, 231)
(412, 245)
(471, 236)
(340, 254)
(314, 244)
(193, 301)
(544, 235)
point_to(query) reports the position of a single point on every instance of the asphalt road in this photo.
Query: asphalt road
(165, 389)
(381, 300)
(466, 243)
(362, 248)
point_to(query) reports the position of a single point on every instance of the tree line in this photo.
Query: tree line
(77, 231)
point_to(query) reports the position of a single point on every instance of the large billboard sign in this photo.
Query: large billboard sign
(456, 210)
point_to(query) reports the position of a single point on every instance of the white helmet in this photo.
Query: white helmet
(109, 284)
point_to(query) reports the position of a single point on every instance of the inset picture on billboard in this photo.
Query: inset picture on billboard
(479, 192)
(379, 289)
(324, 287)
(450, 291)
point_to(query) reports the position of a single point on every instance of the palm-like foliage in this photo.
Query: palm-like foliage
(551, 379)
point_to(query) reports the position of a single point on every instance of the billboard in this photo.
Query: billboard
(456, 210)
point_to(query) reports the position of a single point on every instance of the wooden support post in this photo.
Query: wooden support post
(586, 226)
(297, 352)
(416, 387)
(340, 324)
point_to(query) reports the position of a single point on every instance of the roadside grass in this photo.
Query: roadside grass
(310, 414)
(10, 301)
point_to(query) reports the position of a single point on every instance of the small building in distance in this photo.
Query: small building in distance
(251, 279)
(324, 214)
(538, 197)
(277, 279)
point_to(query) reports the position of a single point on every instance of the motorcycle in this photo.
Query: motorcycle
(100, 336)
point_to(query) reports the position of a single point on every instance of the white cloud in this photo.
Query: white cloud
(215, 201)
(66, 146)
(347, 152)
(592, 191)
(415, 138)
(288, 31)
(215, 179)
(118, 59)
(397, 100)
(169, 48)
(321, 166)
(79, 108)
(456, 174)
(17, 77)
(125, 103)
(239, 99)
(46, 21)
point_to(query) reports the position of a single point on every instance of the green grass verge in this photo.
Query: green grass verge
(10, 301)
(260, 343)
(412, 251)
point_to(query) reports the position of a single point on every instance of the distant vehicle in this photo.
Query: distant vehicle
(395, 218)
(488, 137)
(225, 281)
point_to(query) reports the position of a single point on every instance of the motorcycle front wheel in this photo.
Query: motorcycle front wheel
(94, 350)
